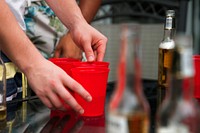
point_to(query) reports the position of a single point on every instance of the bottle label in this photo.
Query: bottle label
(168, 24)
(179, 128)
(117, 124)
(187, 63)
(1, 98)
(137, 123)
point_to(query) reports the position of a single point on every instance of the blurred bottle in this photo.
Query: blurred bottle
(3, 109)
(179, 112)
(165, 54)
(128, 109)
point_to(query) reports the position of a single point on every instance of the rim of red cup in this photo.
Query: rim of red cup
(90, 69)
(94, 63)
(64, 60)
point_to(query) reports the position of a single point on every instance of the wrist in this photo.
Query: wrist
(31, 65)
(76, 22)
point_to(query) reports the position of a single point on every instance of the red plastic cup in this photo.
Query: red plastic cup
(94, 80)
(196, 59)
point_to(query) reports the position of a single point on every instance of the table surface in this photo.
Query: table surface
(33, 117)
(30, 115)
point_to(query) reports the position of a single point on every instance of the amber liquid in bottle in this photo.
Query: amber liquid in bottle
(2, 113)
(165, 56)
(138, 123)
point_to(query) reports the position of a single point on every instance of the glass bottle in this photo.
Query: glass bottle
(165, 54)
(128, 110)
(3, 108)
(179, 113)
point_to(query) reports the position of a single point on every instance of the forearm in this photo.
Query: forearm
(13, 41)
(89, 8)
(67, 11)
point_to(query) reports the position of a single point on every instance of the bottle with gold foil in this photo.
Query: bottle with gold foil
(3, 108)
(128, 110)
(179, 113)
(165, 54)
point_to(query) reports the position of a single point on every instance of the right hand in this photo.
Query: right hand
(49, 82)
(90, 40)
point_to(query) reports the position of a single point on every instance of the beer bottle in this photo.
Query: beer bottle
(165, 54)
(179, 113)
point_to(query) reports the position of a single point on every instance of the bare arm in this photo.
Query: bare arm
(66, 46)
(84, 35)
(47, 80)
(15, 42)
(89, 9)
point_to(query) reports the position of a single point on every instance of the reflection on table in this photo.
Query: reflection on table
(33, 117)
(29, 115)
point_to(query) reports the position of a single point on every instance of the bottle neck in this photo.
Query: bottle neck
(169, 34)
(169, 28)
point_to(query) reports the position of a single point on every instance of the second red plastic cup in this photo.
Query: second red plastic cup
(94, 80)
(196, 59)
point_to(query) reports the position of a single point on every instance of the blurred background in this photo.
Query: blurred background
(150, 14)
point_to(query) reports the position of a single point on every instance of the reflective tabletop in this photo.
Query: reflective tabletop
(32, 116)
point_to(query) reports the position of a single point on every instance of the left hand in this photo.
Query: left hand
(67, 48)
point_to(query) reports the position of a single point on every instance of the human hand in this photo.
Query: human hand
(92, 42)
(67, 48)
(49, 82)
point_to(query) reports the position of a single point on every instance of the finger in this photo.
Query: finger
(46, 101)
(88, 51)
(67, 97)
(100, 47)
(78, 88)
(56, 102)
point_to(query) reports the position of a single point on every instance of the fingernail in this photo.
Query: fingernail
(89, 98)
(91, 58)
(81, 111)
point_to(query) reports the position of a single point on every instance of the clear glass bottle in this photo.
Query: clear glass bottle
(179, 113)
(128, 110)
(165, 54)
(3, 108)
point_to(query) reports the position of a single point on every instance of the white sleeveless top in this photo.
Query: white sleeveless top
(18, 9)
